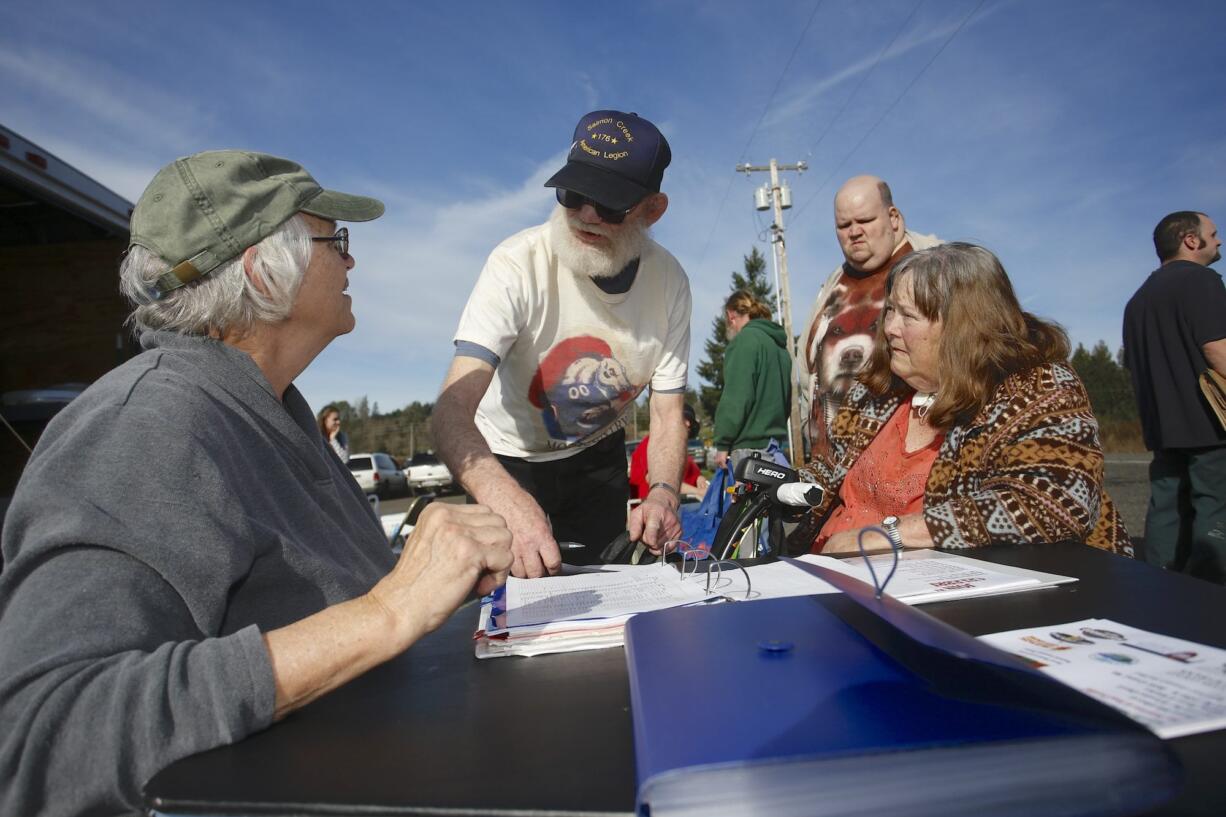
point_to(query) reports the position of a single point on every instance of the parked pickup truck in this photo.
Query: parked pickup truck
(424, 472)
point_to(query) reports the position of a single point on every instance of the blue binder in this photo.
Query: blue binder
(823, 705)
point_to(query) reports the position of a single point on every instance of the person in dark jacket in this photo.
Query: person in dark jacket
(1174, 330)
(753, 408)
(185, 560)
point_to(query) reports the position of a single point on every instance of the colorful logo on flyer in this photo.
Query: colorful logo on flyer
(580, 388)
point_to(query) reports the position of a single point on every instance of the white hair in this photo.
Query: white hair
(626, 243)
(225, 300)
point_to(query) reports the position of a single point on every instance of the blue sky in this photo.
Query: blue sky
(1055, 133)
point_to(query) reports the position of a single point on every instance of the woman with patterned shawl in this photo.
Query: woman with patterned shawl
(966, 428)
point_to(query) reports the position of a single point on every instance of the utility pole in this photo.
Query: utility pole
(781, 197)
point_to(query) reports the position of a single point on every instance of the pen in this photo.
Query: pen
(570, 546)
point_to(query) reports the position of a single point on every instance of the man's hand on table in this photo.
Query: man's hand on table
(533, 547)
(654, 521)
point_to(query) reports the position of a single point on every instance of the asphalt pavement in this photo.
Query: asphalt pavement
(1127, 481)
(401, 504)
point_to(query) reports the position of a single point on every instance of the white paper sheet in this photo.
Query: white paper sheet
(1172, 686)
(594, 596)
(929, 575)
(769, 581)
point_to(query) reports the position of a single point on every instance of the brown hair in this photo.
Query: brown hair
(985, 335)
(323, 415)
(742, 303)
(887, 198)
(1168, 235)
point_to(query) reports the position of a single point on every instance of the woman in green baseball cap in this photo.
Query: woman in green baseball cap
(185, 561)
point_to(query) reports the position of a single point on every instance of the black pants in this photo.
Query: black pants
(1185, 527)
(584, 496)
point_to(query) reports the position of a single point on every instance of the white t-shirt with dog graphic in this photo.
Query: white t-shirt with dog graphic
(573, 358)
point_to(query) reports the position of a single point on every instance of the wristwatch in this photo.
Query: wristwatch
(890, 524)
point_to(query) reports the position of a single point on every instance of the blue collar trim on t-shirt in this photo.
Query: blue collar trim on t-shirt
(621, 282)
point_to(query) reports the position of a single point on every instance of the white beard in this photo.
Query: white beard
(587, 261)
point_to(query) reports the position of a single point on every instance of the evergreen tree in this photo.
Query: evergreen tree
(754, 281)
(693, 398)
(1107, 382)
(401, 433)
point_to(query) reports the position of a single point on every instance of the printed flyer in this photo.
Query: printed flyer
(1172, 686)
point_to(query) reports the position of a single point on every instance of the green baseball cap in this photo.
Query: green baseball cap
(202, 210)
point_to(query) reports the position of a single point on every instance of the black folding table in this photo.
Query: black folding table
(437, 732)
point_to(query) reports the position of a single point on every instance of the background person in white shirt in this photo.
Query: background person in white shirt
(568, 322)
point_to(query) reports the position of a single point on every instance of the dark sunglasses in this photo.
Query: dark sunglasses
(340, 239)
(573, 201)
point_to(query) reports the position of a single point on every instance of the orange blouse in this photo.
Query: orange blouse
(886, 480)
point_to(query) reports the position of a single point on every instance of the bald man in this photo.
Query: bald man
(839, 333)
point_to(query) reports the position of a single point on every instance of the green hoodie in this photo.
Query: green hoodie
(757, 388)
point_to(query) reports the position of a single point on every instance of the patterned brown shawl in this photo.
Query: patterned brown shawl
(1027, 469)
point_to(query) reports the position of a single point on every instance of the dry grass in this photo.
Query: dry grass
(1122, 436)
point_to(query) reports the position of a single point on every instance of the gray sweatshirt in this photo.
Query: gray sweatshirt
(169, 515)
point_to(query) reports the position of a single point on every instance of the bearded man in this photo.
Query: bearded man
(568, 323)
(1174, 331)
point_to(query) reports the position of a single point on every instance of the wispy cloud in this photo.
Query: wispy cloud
(1203, 164)
(126, 176)
(808, 99)
(1047, 131)
(417, 265)
(415, 269)
(591, 94)
(87, 91)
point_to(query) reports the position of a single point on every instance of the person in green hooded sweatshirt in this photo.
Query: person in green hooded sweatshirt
(757, 381)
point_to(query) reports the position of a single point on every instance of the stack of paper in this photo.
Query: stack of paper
(588, 610)
(584, 611)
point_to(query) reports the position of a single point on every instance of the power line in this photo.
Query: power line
(753, 133)
(864, 78)
(779, 82)
(888, 110)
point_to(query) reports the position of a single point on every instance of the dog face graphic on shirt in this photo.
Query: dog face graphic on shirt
(846, 345)
(843, 339)
(581, 388)
(839, 342)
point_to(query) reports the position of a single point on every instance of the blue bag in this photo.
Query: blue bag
(698, 525)
(776, 454)
(772, 453)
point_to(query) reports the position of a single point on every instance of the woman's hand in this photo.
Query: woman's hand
(846, 542)
(911, 529)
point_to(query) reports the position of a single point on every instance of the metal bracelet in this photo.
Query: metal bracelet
(666, 485)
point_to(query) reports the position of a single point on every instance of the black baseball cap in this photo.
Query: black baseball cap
(617, 159)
